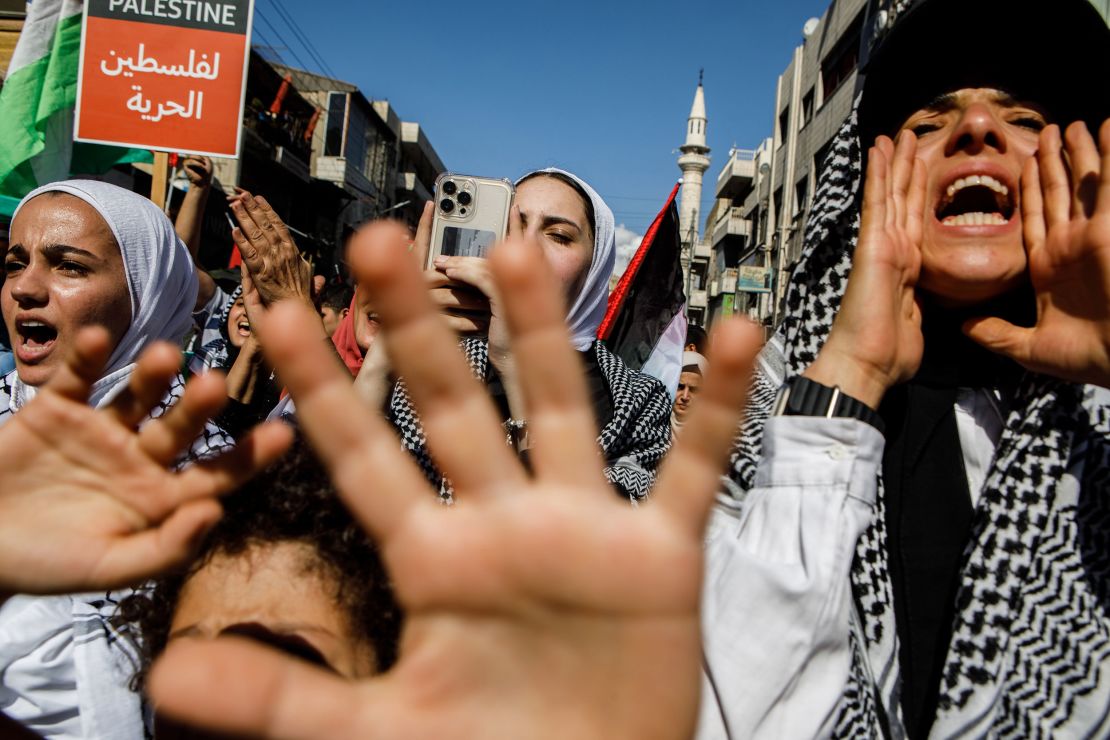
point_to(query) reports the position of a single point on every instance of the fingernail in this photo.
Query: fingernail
(439, 261)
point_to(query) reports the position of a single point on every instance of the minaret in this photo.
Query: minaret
(693, 163)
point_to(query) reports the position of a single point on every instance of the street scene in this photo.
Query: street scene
(584, 370)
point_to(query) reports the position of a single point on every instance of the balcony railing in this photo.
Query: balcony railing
(737, 175)
(731, 223)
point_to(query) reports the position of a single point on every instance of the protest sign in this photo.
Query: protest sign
(164, 74)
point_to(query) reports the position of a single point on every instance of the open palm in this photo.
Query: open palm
(87, 501)
(538, 605)
(1066, 222)
(876, 340)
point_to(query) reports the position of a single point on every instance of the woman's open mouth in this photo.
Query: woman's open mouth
(244, 328)
(976, 200)
(36, 340)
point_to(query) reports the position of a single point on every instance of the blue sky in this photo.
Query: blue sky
(600, 88)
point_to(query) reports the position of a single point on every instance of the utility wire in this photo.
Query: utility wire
(268, 44)
(305, 42)
(281, 38)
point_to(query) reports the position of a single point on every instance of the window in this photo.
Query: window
(784, 125)
(842, 61)
(801, 196)
(357, 145)
(337, 113)
(778, 207)
(807, 107)
(819, 159)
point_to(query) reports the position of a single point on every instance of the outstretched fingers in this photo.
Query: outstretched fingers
(83, 364)
(1032, 206)
(1055, 183)
(915, 202)
(463, 430)
(165, 438)
(237, 687)
(373, 474)
(132, 559)
(1004, 338)
(272, 221)
(1084, 158)
(422, 241)
(901, 175)
(150, 380)
(231, 469)
(876, 190)
(1103, 205)
(691, 471)
(561, 425)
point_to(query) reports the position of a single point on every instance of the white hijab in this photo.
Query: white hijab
(588, 308)
(161, 279)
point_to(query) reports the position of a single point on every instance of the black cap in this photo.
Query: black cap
(1056, 55)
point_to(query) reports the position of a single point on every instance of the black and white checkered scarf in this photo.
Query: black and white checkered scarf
(632, 441)
(1032, 627)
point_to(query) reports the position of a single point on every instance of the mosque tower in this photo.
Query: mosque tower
(693, 163)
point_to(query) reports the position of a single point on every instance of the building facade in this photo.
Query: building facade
(763, 196)
(326, 157)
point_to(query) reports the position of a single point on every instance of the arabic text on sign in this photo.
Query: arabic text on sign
(144, 106)
(200, 69)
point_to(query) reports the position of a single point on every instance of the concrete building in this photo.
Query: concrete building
(387, 166)
(763, 195)
(694, 161)
(325, 156)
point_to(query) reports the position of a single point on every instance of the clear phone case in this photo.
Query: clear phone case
(471, 215)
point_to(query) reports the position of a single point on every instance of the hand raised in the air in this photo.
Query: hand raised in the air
(539, 604)
(876, 340)
(1066, 221)
(88, 500)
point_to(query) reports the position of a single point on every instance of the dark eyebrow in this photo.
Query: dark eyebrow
(61, 251)
(18, 249)
(557, 220)
(941, 103)
(948, 101)
(553, 221)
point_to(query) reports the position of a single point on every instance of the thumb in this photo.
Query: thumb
(1002, 337)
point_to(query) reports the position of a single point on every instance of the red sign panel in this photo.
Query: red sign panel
(164, 74)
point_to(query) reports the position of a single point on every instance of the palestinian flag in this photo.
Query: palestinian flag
(37, 104)
(645, 324)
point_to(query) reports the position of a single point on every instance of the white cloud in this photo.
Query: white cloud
(628, 241)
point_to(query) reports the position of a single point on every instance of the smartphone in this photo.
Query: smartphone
(471, 215)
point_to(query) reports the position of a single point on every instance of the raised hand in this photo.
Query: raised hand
(198, 169)
(538, 605)
(876, 339)
(1066, 222)
(269, 251)
(87, 502)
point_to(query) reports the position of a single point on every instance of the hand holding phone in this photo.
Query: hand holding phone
(471, 215)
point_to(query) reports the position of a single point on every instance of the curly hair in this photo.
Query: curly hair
(292, 501)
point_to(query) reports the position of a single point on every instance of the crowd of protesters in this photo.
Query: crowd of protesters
(431, 504)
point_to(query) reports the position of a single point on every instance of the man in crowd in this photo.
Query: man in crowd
(694, 367)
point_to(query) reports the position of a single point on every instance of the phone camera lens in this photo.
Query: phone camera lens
(464, 198)
(462, 211)
(450, 188)
(446, 205)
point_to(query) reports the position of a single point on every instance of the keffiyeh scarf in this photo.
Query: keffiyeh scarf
(212, 349)
(1032, 627)
(63, 665)
(632, 441)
